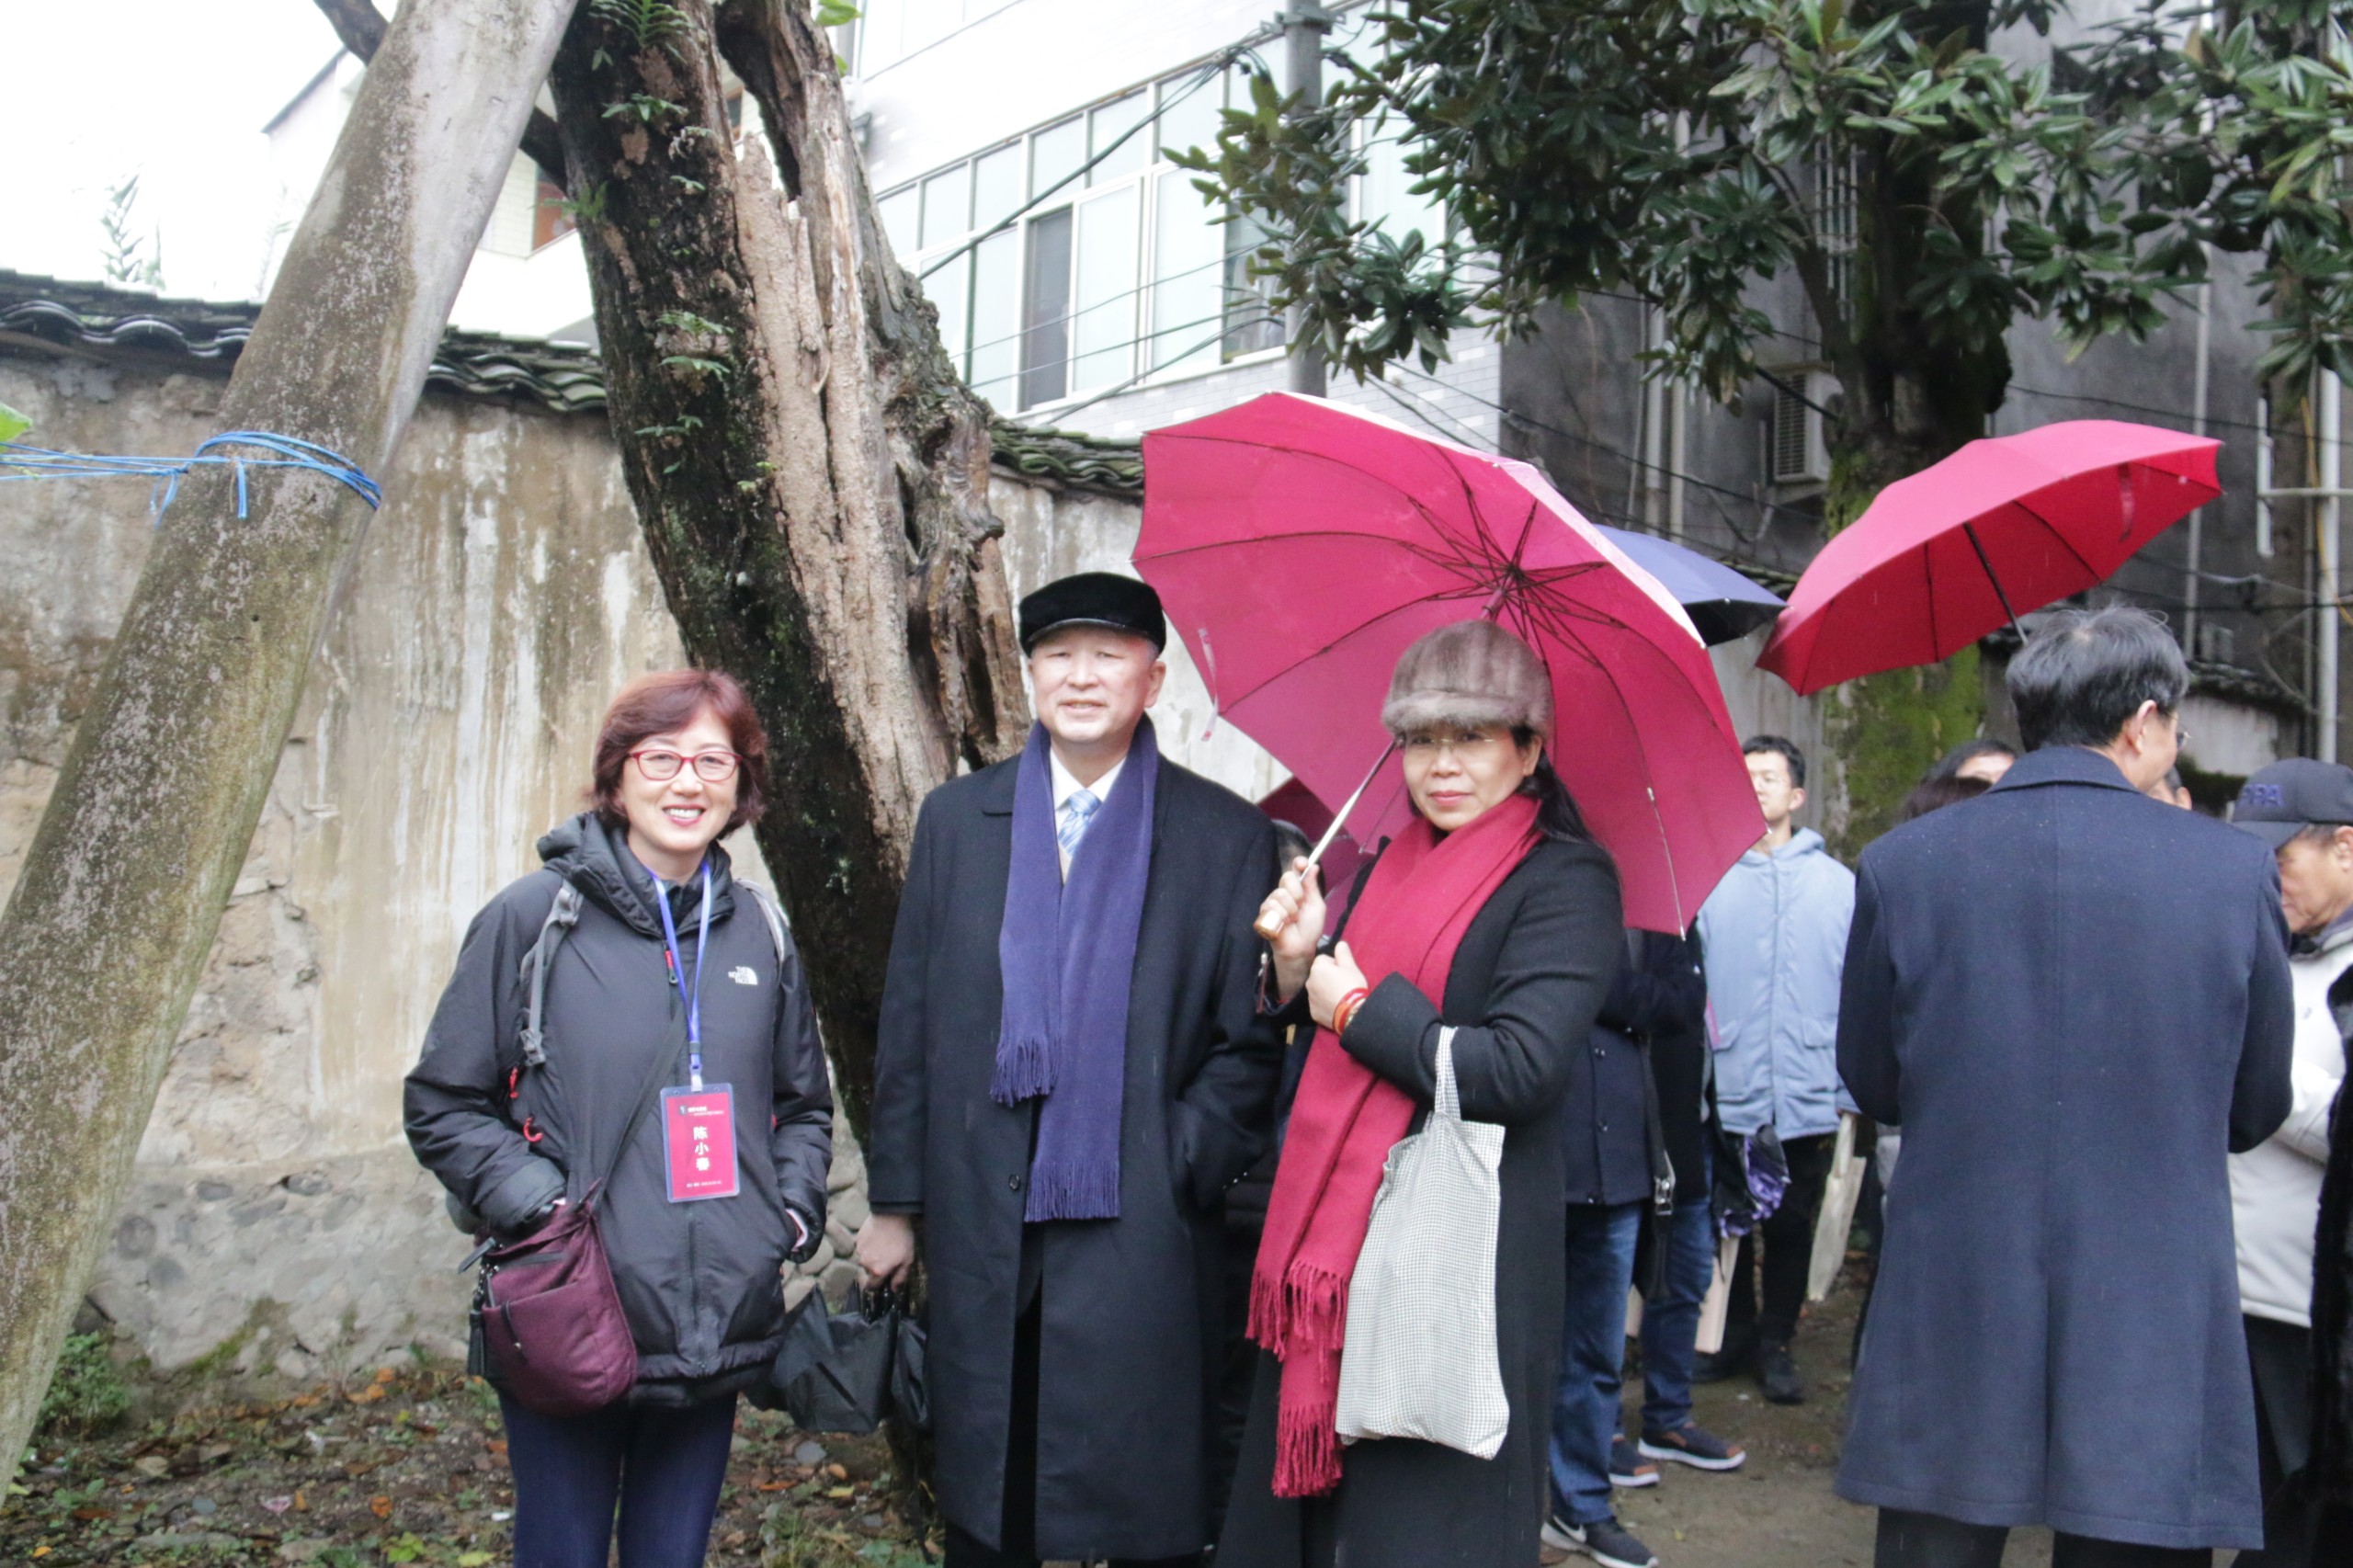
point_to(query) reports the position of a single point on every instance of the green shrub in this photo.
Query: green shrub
(86, 1395)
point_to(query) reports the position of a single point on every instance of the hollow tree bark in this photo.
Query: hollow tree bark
(122, 887)
(811, 476)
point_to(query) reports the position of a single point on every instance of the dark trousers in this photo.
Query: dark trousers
(1788, 1250)
(662, 1464)
(1928, 1540)
(1018, 1539)
(2279, 1355)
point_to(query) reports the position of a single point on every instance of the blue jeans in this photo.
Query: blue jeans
(662, 1464)
(1671, 1320)
(1593, 1355)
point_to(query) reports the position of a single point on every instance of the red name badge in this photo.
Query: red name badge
(699, 1142)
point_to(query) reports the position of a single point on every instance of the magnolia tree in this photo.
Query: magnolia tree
(1927, 171)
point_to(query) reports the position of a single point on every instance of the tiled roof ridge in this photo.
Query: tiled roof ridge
(568, 378)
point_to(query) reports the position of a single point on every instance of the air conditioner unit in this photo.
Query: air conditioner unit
(1797, 450)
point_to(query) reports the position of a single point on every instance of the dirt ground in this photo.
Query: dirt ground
(409, 1467)
(1777, 1510)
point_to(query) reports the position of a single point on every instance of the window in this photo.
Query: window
(1077, 259)
(1045, 311)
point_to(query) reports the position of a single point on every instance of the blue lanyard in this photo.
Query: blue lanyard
(677, 971)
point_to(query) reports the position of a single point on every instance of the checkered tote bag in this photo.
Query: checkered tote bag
(1419, 1359)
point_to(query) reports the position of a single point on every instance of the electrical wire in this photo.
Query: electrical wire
(1204, 74)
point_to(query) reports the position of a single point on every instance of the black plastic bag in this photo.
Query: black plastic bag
(847, 1374)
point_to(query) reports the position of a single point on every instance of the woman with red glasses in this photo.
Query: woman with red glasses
(676, 1060)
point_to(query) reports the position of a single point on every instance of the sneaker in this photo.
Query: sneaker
(1628, 1469)
(1604, 1541)
(1694, 1445)
(1776, 1373)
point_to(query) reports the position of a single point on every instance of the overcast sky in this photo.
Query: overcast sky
(174, 91)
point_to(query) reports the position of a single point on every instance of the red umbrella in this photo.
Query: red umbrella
(2001, 527)
(1300, 546)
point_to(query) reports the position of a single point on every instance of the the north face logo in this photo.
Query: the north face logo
(742, 975)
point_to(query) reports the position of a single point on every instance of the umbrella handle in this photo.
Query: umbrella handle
(1315, 856)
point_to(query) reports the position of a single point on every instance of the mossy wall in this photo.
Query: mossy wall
(1886, 730)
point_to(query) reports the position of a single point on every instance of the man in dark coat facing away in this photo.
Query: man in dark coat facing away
(1071, 1069)
(2075, 1002)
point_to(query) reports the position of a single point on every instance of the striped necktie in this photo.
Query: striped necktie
(1077, 812)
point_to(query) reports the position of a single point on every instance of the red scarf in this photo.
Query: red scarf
(1422, 896)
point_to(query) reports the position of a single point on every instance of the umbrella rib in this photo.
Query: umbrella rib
(1313, 653)
(1437, 524)
(1424, 552)
(2065, 542)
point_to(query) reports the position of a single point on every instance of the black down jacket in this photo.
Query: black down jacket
(703, 1282)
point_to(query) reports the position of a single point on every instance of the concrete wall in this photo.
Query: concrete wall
(502, 595)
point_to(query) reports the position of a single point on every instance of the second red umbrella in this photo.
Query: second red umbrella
(2002, 527)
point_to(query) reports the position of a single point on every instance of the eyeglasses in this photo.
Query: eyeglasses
(1465, 743)
(660, 766)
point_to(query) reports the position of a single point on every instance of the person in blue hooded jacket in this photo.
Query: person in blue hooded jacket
(1775, 931)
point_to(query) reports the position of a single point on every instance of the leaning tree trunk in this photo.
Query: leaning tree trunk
(154, 810)
(809, 474)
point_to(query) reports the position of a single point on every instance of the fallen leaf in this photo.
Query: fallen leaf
(497, 1445)
(383, 1374)
(381, 1506)
(472, 1559)
(40, 1551)
(302, 1504)
(841, 1494)
(837, 1472)
(86, 1514)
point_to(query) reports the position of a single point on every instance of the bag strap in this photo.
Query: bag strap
(773, 913)
(660, 1069)
(1448, 1102)
(563, 916)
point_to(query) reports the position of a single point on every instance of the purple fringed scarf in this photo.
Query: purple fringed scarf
(1066, 952)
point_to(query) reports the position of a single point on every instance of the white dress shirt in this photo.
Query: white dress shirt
(1066, 785)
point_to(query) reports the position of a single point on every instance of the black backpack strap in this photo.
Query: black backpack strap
(563, 916)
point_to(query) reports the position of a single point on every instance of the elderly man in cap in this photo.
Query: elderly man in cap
(1071, 1070)
(2303, 811)
(2075, 1002)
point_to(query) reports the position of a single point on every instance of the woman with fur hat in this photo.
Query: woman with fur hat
(1494, 914)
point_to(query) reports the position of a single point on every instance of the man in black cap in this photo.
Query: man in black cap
(1071, 1069)
(2304, 810)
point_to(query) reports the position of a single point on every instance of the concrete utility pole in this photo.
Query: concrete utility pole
(121, 890)
(1304, 24)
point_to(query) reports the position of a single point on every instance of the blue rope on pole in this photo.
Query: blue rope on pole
(289, 452)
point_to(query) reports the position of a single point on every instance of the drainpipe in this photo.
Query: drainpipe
(2198, 426)
(1304, 24)
(2332, 482)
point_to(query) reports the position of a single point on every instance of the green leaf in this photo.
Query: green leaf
(836, 13)
(12, 424)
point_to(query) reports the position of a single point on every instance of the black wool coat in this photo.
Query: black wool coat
(1661, 997)
(1130, 1339)
(700, 1283)
(1527, 980)
(2075, 1002)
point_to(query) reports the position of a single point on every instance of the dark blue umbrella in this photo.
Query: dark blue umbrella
(1721, 603)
